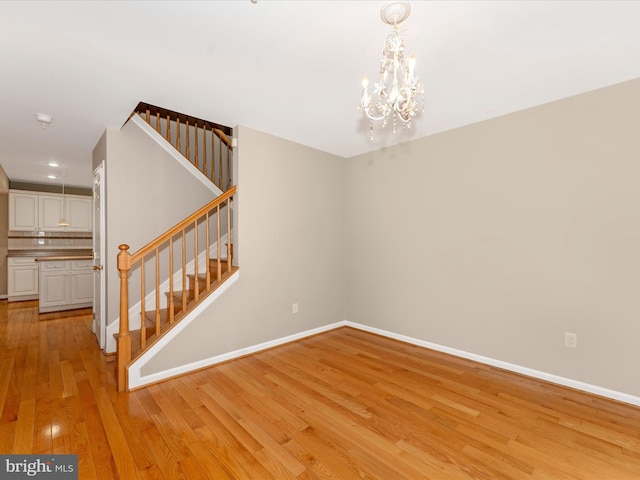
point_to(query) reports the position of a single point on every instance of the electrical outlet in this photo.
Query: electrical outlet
(294, 308)
(570, 340)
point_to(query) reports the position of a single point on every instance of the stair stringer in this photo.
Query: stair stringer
(160, 140)
(135, 377)
(135, 319)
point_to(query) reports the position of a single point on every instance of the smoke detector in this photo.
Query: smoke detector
(44, 120)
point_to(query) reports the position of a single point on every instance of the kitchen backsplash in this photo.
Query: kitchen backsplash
(52, 240)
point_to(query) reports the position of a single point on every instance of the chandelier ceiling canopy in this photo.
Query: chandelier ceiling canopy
(398, 92)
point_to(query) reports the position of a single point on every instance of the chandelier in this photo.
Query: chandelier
(398, 91)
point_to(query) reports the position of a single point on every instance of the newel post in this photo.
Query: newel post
(124, 339)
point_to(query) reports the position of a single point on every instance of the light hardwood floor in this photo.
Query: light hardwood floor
(341, 405)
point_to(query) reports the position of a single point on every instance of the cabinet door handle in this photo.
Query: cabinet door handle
(98, 267)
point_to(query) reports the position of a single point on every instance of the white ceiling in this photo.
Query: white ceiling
(288, 68)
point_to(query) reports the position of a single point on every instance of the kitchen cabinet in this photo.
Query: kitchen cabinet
(32, 211)
(23, 211)
(55, 286)
(79, 213)
(22, 276)
(82, 282)
(50, 212)
(65, 284)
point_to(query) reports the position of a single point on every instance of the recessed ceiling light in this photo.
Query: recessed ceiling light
(53, 164)
(51, 176)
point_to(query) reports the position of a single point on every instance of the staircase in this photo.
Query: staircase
(165, 280)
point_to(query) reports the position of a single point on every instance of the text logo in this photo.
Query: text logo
(49, 467)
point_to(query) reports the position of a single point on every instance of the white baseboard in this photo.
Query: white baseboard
(529, 372)
(137, 380)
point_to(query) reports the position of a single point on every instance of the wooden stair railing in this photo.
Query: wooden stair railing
(190, 238)
(206, 145)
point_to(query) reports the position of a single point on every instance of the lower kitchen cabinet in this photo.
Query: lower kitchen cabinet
(81, 282)
(65, 285)
(55, 285)
(22, 276)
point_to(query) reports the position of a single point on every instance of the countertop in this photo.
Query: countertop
(52, 255)
(63, 257)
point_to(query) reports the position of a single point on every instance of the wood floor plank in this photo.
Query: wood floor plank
(166, 462)
(80, 445)
(6, 369)
(23, 442)
(7, 436)
(104, 464)
(230, 446)
(43, 419)
(123, 458)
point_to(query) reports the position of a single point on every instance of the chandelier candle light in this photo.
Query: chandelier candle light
(399, 88)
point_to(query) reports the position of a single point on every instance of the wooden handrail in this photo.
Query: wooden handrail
(220, 130)
(142, 107)
(223, 137)
(196, 222)
(180, 226)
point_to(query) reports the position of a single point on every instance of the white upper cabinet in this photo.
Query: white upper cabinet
(23, 211)
(50, 213)
(79, 213)
(33, 211)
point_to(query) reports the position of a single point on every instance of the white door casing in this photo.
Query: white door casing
(99, 284)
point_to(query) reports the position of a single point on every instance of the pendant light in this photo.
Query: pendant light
(63, 220)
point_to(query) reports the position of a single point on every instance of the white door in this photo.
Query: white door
(99, 314)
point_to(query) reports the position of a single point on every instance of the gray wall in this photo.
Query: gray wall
(291, 228)
(148, 192)
(498, 237)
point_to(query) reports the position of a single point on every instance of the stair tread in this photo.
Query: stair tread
(150, 316)
(212, 269)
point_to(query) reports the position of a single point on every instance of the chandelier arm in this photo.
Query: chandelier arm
(372, 117)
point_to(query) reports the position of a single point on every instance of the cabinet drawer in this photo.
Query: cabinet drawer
(56, 266)
(21, 261)
(82, 264)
